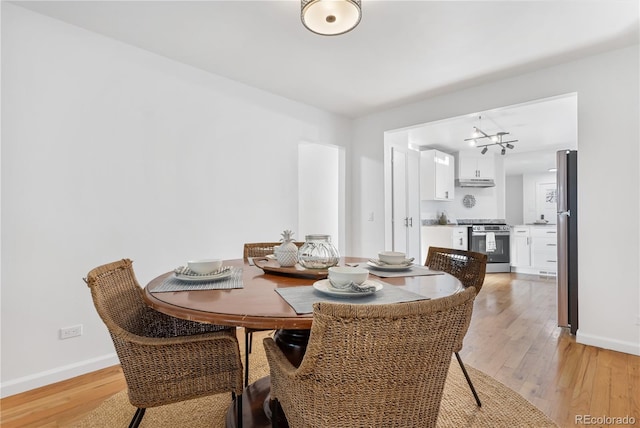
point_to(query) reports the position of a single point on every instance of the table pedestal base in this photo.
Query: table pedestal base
(257, 407)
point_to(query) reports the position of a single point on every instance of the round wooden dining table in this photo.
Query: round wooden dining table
(258, 306)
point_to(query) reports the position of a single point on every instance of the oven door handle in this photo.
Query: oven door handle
(485, 233)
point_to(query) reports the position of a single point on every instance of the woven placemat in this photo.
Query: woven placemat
(172, 283)
(302, 298)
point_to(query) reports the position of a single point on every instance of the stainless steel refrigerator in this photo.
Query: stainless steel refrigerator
(567, 198)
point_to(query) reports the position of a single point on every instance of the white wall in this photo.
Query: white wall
(320, 180)
(531, 210)
(607, 88)
(513, 194)
(109, 151)
(521, 192)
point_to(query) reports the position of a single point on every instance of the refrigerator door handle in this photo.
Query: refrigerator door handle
(565, 213)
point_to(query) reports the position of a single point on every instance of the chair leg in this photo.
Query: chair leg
(250, 341)
(137, 417)
(247, 344)
(466, 375)
(275, 412)
(237, 401)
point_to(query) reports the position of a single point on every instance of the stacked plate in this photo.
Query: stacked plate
(324, 286)
(391, 260)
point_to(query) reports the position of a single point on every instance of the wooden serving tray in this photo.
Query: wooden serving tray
(272, 266)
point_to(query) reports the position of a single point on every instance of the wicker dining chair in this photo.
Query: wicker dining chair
(164, 359)
(470, 268)
(255, 250)
(371, 365)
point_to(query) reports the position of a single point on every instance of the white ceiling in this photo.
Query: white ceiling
(402, 51)
(541, 128)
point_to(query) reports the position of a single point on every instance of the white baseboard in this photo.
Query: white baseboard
(532, 271)
(607, 343)
(27, 383)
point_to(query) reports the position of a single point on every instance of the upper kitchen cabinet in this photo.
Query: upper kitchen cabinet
(475, 169)
(436, 176)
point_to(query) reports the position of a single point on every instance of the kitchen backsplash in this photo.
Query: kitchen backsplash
(486, 206)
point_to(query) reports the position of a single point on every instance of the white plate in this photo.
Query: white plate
(203, 278)
(389, 267)
(324, 286)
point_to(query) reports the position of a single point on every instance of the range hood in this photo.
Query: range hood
(475, 182)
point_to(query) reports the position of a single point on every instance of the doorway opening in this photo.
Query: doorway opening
(542, 127)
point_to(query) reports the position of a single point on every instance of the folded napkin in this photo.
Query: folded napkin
(172, 283)
(185, 270)
(365, 287)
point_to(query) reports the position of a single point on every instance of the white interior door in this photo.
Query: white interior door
(405, 200)
(413, 204)
(399, 215)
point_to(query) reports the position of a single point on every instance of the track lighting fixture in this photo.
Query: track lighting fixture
(496, 140)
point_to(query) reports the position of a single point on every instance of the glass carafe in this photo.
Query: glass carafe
(318, 253)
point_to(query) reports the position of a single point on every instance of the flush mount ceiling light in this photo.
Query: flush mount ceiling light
(497, 140)
(330, 17)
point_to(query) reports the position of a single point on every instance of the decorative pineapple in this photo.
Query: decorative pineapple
(287, 252)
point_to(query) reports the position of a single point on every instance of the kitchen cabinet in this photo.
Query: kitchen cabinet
(534, 249)
(475, 165)
(443, 236)
(460, 238)
(437, 181)
(521, 247)
(544, 249)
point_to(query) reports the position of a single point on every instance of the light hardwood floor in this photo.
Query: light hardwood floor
(513, 337)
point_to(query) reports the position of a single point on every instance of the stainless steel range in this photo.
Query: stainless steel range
(490, 237)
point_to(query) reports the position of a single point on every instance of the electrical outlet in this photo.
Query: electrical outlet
(73, 331)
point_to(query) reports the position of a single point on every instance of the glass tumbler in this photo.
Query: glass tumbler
(318, 252)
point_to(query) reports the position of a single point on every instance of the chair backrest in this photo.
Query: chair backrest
(382, 365)
(161, 361)
(468, 266)
(261, 249)
(118, 297)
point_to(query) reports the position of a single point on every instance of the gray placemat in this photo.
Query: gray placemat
(415, 270)
(302, 298)
(173, 284)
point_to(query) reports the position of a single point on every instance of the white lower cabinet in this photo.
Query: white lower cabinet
(534, 250)
(521, 247)
(460, 238)
(443, 236)
(544, 249)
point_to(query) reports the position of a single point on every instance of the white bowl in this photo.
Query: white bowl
(204, 266)
(343, 275)
(392, 257)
